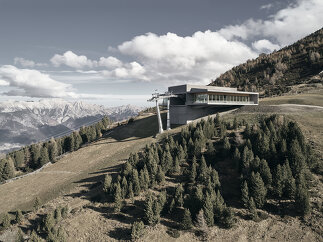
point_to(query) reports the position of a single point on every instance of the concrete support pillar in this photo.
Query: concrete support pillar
(159, 118)
(168, 118)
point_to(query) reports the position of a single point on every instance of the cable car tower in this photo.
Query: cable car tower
(155, 98)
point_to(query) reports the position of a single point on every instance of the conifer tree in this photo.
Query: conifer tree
(52, 150)
(171, 206)
(227, 217)
(19, 158)
(137, 230)
(289, 184)
(302, 202)
(215, 178)
(35, 154)
(124, 187)
(235, 123)
(8, 169)
(179, 201)
(130, 192)
(58, 214)
(245, 194)
(117, 197)
(193, 172)
(48, 222)
(226, 146)
(278, 182)
(252, 208)
(186, 220)
(160, 176)
(201, 224)
(135, 182)
(107, 183)
(208, 211)
(236, 157)
(143, 184)
(77, 140)
(203, 170)
(149, 212)
(257, 189)
(176, 168)
(36, 204)
(19, 217)
(43, 159)
(265, 172)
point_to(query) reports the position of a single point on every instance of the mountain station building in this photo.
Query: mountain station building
(194, 101)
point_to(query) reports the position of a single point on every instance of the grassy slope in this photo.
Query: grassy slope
(74, 176)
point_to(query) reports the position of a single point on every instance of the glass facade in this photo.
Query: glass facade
(217, 98)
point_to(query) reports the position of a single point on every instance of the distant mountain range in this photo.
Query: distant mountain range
(25, 122)
(275, 73)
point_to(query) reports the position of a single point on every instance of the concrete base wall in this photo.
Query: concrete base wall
(185, 114)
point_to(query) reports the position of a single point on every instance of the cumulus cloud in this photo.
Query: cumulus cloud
(285, 27)
(27, 63)
(265, 46)
(266, 6)
(72, 60)
(32, 83)
(192, 58)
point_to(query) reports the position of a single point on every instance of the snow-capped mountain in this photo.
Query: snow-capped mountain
(24, 122)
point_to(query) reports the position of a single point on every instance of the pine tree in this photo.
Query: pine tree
(245, 194)
(302, 203)
(43, 159)
(117, 197)
(107, 183)
(160, 176)
(176, 168)
(48, 222)
(203, 171)
(227, 217)
(149, 210)
(278, 182)
(19, 158)
(179, 201)
(252, 208)
(35, 154)
(289, 184)
(135, 182)
(296, 158)
(124, 187)
(257, 189)
(130, 192)
(36, 205)
(77, 140)
(265, 172)
(19, 217)
(208, 211)
(236, 157)
(137, 230)
(52, 150)
(186, 220)
(8, 169)
(193, 172)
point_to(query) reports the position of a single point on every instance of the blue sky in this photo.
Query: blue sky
(119, 52)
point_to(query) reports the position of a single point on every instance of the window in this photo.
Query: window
(201, 98)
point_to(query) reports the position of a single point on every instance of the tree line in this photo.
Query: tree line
(34, 156)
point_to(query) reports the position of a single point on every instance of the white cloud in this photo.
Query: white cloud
(285, 27)
(265, 46)
(109, 62)
(32, 83)
(196, 58)
(27, 63)
(72, 60)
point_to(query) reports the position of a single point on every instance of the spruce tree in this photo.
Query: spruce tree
(202, 225)
(226, 146)
(135, 182)
(149, 210)
(208, 211)
(252, 208)
(35, 154)
(107, 183)
(137, 230)
(186, 220)
(193, 171)
(290, 185)
(227, 217)
(43, 159)
(265, 172)
(245, 194)
(302, 203)
(117, 197)
(203, 170)
(130, 192)
(278, 182)
(236, 157)
(48, 222)
(179, 195)
(19, 217)
(52, 150)
(36, 204)
(160, 176)
(257, 189)
(124, 187)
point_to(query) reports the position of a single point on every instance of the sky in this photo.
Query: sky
(119, 52)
